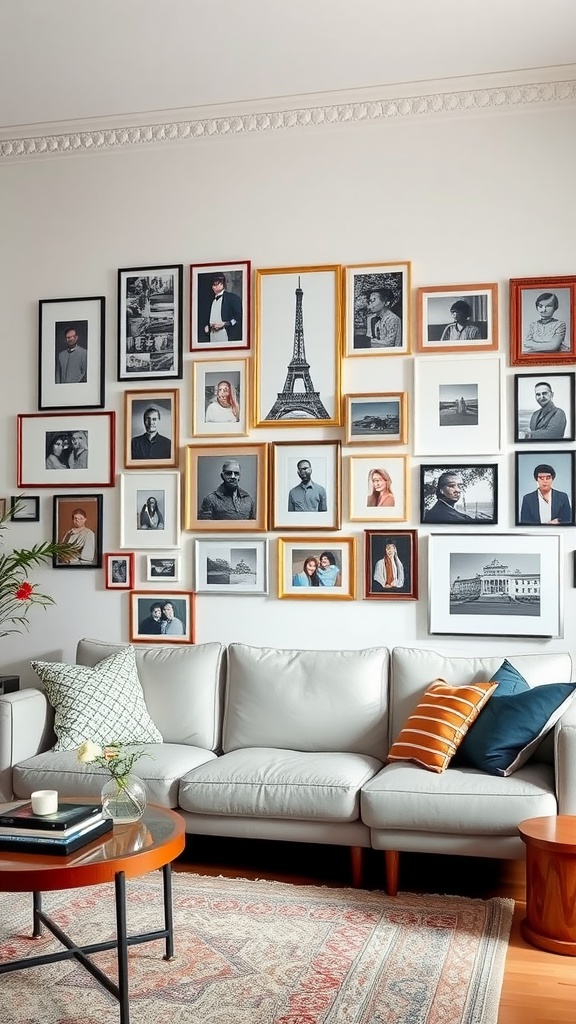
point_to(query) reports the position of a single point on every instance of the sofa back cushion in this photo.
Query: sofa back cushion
(182, 687)
(307, 700)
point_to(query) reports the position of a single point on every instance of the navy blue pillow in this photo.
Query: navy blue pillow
(509, 680)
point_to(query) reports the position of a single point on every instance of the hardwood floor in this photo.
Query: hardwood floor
(538, 988)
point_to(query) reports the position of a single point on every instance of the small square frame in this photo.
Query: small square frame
(119, 570)
(437, 331)
(479, 480)
(400, 582)
(324, 458)
(137, 514)
(364, 470)
(140, 605)
(562, 386)
(361, 324)
(237, 309)
(215, 557)
(150, 323)
(532, 342)
(39, 435)
(136, 404)
(294, 551)
(210, 417)
(376, 419)
(63, 508)
(25, 508)
(527, 504)
(57, 318)
(457, 405)
(203, 477)
(162, 568)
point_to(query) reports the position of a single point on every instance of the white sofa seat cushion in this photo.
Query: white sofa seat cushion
(268, 782)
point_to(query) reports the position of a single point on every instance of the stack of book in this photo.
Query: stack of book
(72, 826)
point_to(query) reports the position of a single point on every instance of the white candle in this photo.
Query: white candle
(44, 801)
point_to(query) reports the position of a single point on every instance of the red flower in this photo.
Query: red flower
(24, 591)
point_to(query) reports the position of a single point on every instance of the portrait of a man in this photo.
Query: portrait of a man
(548, 500)
(152, 444)
(229, 500)
(544, 405)
(220, 315)
(71, 352)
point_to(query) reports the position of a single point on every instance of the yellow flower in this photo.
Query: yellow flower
(88, 752)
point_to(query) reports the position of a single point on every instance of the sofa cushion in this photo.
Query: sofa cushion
(103, 704)
(510, 680)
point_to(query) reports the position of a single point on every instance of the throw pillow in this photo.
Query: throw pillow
(103, 704)
(435, 729)
(509, 680)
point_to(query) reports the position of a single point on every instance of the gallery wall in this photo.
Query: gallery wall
(483, 197)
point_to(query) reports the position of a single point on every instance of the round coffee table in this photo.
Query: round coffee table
(128, 851)
(550, 921)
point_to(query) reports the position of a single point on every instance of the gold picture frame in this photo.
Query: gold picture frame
(377, 309)
(208, 492)
(457, 318)
(378, 478)
(376, 418)
(151, 444)
(333, 575)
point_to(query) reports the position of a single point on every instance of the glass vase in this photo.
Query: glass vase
(123, 799)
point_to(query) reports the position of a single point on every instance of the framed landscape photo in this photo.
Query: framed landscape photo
(226, 488)
(162, 568)
(542, 321)
(298, 330)
(119, 570)
(377, 309)
(220, 398)
(71, 353)
(378, 488)
(545, 488)
(231, 565)
(165, 617)
(25, 508)
(67, 449)
(77, 519)
(458, 318)
(457, 405)
(151, 429)
(495, 584)
(305, 485)
(391, 565)
(150, 323)
(376, 419)
(316, 568)
(219, 306)
(543, 407)
(459, 494)
(150, 510)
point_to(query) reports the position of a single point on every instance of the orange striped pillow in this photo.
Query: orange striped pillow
(436, 728)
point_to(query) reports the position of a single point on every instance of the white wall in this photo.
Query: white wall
(467, 199)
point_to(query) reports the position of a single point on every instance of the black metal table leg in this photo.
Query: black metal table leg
(122, 951)
(36, 911)
(168, 916)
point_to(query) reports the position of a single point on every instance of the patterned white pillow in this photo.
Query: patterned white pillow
(104, 704)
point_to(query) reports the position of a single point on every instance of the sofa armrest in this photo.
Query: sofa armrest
(565, 760)
(26, 720)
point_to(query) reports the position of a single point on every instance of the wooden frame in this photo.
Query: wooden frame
(377, 322)
(162, 568)
(150, 323)
(119, 570)
(459, 494)
(458, 407)
(150, 510)
(235, 306)
(555, 478)
(338, 566)
(77, 519)
(296, 388)
(220, 398)
(457, 318)
(543, 407)
(25, 508)
(542, 333)
(397, 579)
(288, 496)
(66, 449)
(376, 419)
(231, 565)
(71, 353)
(151, 429)
(371, 476)
(143, 623)
(204, 477)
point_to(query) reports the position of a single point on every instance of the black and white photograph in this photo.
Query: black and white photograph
(377, 419)
(459, 494)
(461, 318)
(542, 320)
(226, 565)
(545, 488)
(161, 617)
(391, 565)
(543, 407)
(151, 429)
(457, 405)
(377, 309)
(226, 488)
(25, 508)
(219, 306)
(305, 482)
(220, 398)
(71, 353)
(317, 568)
(119, 570)
(67, 449)
(150, 510)
(77, 520)
(162, 569)
(150, 323)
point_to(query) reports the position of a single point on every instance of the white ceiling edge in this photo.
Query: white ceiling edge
(534, 86)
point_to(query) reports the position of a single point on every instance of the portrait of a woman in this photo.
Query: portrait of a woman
(380, 489)
(56, 448)
(309, 575)
(150, 516)
(224, 407)
(389, 571)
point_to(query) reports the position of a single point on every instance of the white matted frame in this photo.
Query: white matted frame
(462, 318)
(246, 510)
(66, 449)
(335, 557)
(231, 565)
(457, 405)
(376, 419)
(221, 399)
(162, 568)
(291, 494)
(378, 478)
(71, 353)
(495, 584)
(177, 627)
(377, 313)
(150, 510)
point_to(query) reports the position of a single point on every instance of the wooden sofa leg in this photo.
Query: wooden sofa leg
(357, 865)
(392, 862)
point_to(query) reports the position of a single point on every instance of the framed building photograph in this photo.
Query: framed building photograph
(226, 488)
(149, 510)
(376, 419)
(377, 309)
(67, 449)
(543, 407)
(228, 565)
(391, 565)
(220, 398)
(495, 584)
(378, 488)
(219, 306)
(150, 323)
(71, 353)
(458, 318)
(542, 321)
(545, 488)
(298, 331)
(459, 494)
(25, 508)
(151, 429)
(317, 568)
(457, 405)
(119, 570)
(77, 519)
(161, 617)
(162, 568)
(305, 485)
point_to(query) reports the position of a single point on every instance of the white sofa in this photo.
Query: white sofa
(292, 745)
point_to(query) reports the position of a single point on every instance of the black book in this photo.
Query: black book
(23, 817)
(22, 843)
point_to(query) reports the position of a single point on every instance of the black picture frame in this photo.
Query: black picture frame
(437, 504)
(150, 323)
(528, 429)
(63, 508)
(562, 465)
(25, 508)
(71, 353)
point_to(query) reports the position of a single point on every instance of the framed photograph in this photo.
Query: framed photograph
(542, 315)
(543, 407)
(495, 584)
(545, 488)
(150, 510)
(305, 485)
(391, 565)
(459, 494)
(161, 618)
(376, 419)
(25, 508)
(461, 318)
(317, 568)
(457, 403)
(71, 353)
(298, 329)
(67, 449)
(227, 565)
(219, 306)
(220, 398)
(161, 568)
(77, 519)
(377, 312)
(378, 488)
(226, 488)
(2, 507)
(151, 429)
(150, 323)
(119, 570)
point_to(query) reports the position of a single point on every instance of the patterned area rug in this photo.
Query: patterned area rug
(265, 953)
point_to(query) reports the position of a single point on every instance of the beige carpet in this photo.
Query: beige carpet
(265, 953)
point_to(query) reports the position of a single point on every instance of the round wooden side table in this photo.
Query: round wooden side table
(550, 921)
